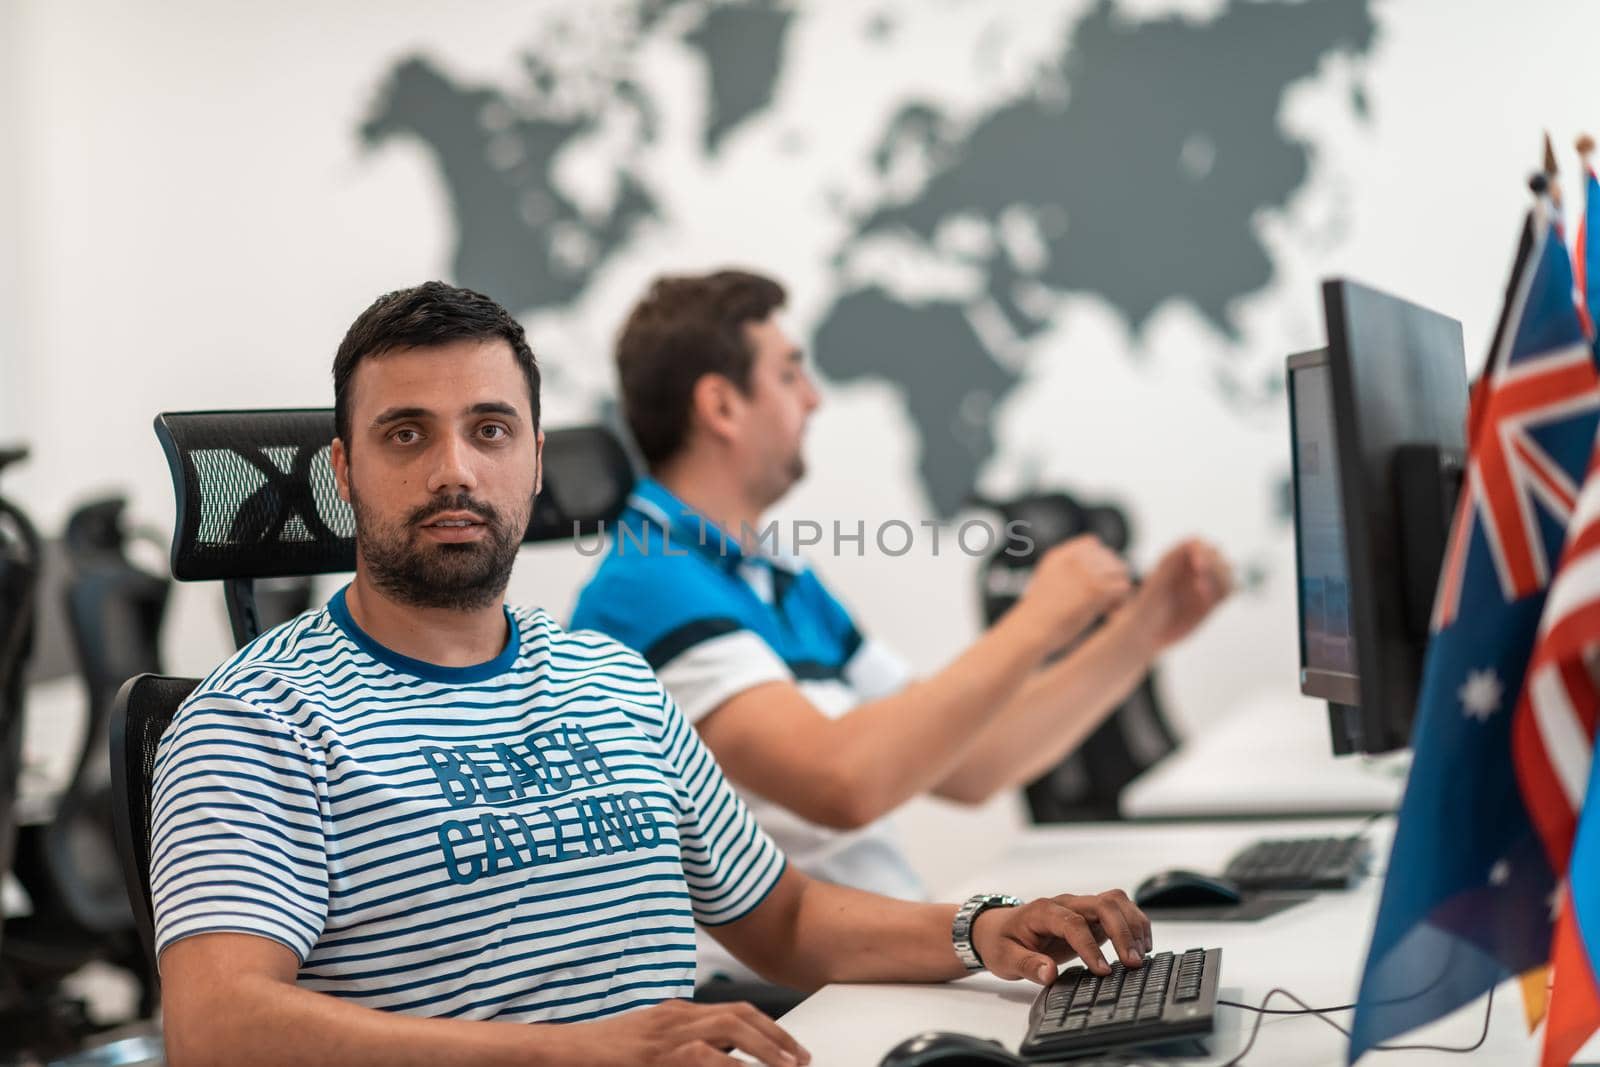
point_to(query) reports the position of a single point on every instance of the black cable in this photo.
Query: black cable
(1283, 1011)
(1262, 1012)
(1368, 823)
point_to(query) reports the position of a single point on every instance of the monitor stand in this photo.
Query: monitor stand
(1344, 726)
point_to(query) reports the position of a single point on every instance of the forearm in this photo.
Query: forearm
(812, 933)
(257, 1020)
(1056, 710)
(888, 751)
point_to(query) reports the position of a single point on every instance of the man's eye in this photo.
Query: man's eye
(404, 437)
(494, 431)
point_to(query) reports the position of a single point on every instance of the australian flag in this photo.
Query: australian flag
(1470, 891)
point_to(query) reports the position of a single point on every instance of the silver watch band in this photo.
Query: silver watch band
(961, 928)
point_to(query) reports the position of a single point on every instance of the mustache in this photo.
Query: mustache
(459, 502)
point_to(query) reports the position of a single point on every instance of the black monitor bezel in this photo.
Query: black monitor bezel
(1387, 660)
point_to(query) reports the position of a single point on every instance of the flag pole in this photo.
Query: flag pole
(1500, 340)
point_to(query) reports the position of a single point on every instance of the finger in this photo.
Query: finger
(1036, 968)
(764, 1023)
(1065, 923)
(1107, 912)
(1136, 919)
(699, 1054)
(735, 1033)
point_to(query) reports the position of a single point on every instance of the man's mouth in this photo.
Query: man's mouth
(454, 519)
(455, 526)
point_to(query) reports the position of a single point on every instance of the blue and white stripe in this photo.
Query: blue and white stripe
(530, 839)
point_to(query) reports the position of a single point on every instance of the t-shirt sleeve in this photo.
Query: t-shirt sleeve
(874, 670)
(710, 661)
(871, 668)
(236, 839)
(729, 862)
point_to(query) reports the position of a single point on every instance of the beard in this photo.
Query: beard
(464, 576)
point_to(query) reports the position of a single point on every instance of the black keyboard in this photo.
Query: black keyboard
(1171, 996)
(1301, 863)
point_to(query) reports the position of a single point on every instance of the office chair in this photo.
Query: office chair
(256, 498)
(143, 708)
(68, 864)
(34, 1018)
(256, 501)
(1086, 784)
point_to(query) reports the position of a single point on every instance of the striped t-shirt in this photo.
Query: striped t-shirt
(530, 839)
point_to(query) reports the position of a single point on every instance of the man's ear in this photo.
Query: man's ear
(717, 405)
(538, 463)
(339, 460)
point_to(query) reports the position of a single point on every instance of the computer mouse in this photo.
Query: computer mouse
(940, 1049)
(1186, 889)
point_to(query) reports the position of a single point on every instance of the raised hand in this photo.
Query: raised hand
(1185, 586)
(1073, 584)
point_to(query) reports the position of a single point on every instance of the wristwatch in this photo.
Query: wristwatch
(966, 915)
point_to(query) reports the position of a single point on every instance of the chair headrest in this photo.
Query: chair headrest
(256, 496)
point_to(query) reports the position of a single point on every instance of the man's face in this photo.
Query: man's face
(442, 466)
(782, 398)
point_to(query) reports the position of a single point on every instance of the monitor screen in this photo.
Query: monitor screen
(1327, 636)
(1329, 644)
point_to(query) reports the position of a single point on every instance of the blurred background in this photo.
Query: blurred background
(1030, 245)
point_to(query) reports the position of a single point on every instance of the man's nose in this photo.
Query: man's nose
(813, 395)
(452, 467)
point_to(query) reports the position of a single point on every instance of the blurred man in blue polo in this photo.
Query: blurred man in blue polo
(419, 826)
(824, 730)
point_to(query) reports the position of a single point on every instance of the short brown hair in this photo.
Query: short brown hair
(432, 313)
(686, 327)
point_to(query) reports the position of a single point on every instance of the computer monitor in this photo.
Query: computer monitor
(1377, 425)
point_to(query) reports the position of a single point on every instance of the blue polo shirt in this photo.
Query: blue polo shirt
(714, 619)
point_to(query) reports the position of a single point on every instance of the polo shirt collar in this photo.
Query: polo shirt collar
(690, 529)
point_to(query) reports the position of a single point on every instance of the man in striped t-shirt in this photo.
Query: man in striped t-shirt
(420, 827)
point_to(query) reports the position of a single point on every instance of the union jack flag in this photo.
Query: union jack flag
(1536, 378)
(1471, 881)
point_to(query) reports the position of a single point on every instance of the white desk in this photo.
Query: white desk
(1270, 757)
(1315, 950)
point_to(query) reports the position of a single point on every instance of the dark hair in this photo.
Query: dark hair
(432, 313)
(685, 328)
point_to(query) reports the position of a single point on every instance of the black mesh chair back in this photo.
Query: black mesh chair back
(143, 709)
(587, 479)
(256, 497)
(1088, 782)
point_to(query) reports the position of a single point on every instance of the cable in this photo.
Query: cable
(1283, 1011)
(1368, 823)
(1262, 1012)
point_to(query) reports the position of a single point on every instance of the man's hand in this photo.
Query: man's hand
(1073, 584)
(1188, 582)
(676, 1033)
(1031, 941)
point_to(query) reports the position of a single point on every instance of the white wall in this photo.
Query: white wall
(195, 226)
(11, 302)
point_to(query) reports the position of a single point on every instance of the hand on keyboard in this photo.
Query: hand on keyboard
(1031, 941)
